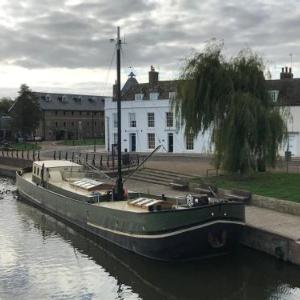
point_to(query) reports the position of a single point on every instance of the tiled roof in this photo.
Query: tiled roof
(53, 101)
(161, 87)
(289, 91)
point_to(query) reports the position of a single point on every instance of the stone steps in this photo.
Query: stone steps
(158, 177)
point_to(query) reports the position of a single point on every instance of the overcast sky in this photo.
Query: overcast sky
(63, 45)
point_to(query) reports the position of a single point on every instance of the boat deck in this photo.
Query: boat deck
(118, 205)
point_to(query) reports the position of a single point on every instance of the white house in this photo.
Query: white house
(148, 119)
(285, 92)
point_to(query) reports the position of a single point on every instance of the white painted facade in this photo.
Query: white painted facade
(293, 126)
(137, 138)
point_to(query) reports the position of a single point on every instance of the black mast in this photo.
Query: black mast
(119, 183)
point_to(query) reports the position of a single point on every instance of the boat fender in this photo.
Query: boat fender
(126, 193)
(189, 200)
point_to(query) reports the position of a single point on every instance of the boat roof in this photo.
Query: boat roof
(56, 163)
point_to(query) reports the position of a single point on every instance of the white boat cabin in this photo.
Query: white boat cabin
(44, 170)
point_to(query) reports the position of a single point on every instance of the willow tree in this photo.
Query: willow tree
(229, 98)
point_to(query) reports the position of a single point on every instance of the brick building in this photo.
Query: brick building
(67, 116)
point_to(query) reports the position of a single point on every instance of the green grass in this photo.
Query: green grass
(278, 185)
(25, 146)
(99, 141)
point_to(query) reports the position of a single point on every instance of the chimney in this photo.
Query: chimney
(153, 77)
(286, 73)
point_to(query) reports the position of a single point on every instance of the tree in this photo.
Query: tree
(5, 104)
(26, 111)
(230, 98)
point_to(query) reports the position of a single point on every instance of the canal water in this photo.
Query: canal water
(43, 258)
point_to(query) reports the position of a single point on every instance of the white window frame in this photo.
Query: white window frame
(153, 96)
(172, 95)
(151, 140)
(169, 121)
(115, 120)
(139, 96)
(115, 138)
(132, 120)
(150, 120)
(189, 141)
(274, 95)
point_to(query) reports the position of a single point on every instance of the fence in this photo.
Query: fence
(101, 161)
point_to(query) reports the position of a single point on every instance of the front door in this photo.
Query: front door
(170, 142)
(132, 142)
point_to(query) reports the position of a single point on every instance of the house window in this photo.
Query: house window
(169, 118)
(56, 112)
(151, 121)
(64, 113)
(132, 120)
(56, 124)
(64, 124)
(115, 119)
(87, 113)
(73, 124)
(172, 95)
(80, 113)
(274, 95)
(88, 124)
(72, 113)
(139, 96)
(153, 96)
(151, 140)
(115, 138)
(189, 140)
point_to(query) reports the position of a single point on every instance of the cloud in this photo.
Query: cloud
(75, 34)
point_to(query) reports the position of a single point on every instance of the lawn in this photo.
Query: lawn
(278, 185)
(25, 146)
(99, 141)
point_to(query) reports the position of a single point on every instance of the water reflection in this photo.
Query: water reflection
(42, 258)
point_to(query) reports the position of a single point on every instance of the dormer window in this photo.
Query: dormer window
(91, 100)
(59, 98)
(274, 95)
(172, 95)
(77, 99)
(139, 97)
(46, 98)
(153, 96)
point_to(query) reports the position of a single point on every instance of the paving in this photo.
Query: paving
(278, 223)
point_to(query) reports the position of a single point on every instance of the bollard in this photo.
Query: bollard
(66, 157)
(27, 154)
(86, 157)
(59, 155)
(22, 154)
(54, 155)
(93, 161)
(101, 165)
(72, 156)
(39, 155)
(17, 154)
